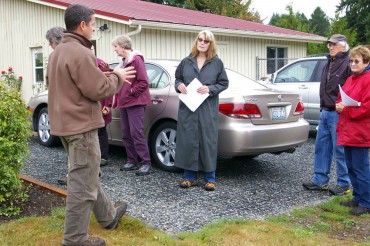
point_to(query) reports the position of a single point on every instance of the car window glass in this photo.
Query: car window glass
(239, 81)
(158, 78)
(297, 72)
(319, 70)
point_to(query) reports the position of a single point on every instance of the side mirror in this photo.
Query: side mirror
(271, 79)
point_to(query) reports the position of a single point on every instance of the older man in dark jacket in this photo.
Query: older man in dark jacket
(335, 73)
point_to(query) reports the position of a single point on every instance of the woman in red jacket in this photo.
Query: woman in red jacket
(353, 129)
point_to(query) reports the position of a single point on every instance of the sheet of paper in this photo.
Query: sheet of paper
(192, 98)
(346, 100)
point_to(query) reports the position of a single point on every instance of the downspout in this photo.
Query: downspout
(138, 30)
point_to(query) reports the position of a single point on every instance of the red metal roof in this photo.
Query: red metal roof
(147, 11)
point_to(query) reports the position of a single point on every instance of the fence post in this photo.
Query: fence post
(257, 68)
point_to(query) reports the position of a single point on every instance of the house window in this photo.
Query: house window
(38, 66)
(276, 58)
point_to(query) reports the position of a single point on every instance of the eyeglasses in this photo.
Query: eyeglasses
(200, 40)
(331, 45)
(354, 61)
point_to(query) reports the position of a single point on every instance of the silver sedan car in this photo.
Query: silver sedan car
(302, 76)
(253, 119)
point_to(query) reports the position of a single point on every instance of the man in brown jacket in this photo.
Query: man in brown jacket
(76, 85)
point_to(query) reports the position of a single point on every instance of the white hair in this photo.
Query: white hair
(345, 45)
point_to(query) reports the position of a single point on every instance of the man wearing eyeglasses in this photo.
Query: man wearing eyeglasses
(335, 73)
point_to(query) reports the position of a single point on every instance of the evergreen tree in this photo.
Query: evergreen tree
(319, 23)
(357, 17)
(175, 3)
(239, 9)
(294, 21)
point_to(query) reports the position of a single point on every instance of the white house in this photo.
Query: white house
(158, 31)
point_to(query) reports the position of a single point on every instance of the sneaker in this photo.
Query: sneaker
(360, 211)
(144, 170)
(62, 181)
(312, 186)
(209, 186)
(129, 167)
(351, 203)
(103, 162)
(120, 211)
(187, 184)
(92, 241)
(340, 190)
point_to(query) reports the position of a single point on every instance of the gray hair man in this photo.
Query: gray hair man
(335, 73)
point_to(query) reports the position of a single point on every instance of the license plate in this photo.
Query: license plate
(278, 113)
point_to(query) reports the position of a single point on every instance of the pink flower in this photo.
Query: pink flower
(20, 77)
(2, 72)
(10, 69)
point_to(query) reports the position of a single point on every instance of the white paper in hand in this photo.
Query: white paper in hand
(192, 98)
(346, 100)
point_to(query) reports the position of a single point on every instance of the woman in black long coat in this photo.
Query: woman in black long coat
(197, 132)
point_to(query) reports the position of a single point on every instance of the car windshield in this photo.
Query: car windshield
(237, 80)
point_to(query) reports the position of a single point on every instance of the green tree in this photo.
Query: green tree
(340, 25)
(231, 8)
(357, 14)
(294, 21)
(319, 22)
(175, 3)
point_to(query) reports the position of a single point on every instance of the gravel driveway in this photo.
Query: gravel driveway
(250, 189)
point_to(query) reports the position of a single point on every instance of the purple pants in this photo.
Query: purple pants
(133, 139)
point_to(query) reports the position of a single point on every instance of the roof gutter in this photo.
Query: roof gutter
(63, 6)
(233, 32)
(138, 30)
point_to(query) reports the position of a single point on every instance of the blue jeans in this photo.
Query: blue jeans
(193, 175)
(357, 160)
(325, 148)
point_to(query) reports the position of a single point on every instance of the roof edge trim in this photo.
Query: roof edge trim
(54, 4)
(98, 13)
(234, 32)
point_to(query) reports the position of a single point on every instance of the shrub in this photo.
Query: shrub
(14, 131)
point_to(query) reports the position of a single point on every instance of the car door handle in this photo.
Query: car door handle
(302, 87)
(156, 100)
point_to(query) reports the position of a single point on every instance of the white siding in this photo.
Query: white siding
(24, 24)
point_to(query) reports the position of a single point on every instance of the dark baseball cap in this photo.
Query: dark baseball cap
(337, 38)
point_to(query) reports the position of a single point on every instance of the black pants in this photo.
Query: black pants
(103, 142)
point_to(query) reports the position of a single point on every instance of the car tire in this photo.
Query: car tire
(43, 130)
(163, 146)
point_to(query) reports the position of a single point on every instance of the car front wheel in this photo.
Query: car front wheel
(163, 146)
(43, 130)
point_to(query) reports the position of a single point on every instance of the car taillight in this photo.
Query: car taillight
(240, 110)
(299, 109)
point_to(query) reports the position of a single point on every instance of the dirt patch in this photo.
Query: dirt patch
(40, 203)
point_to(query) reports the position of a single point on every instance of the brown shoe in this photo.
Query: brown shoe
(92, 241)
(120, 211)
(187, 184)
(209, 186)
(351, 203)
(360, 211)
(62, 181)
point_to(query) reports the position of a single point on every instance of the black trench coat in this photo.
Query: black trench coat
(197, 132)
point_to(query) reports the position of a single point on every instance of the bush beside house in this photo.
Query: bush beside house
(14, 131)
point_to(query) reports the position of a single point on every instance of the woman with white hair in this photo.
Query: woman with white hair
(197, 132)
(132, 100)
(54, 35)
